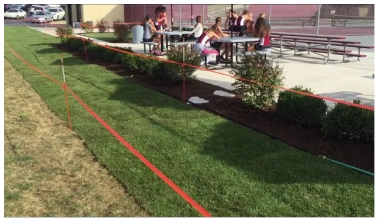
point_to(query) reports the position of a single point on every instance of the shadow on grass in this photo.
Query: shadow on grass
(258, 156)
(272, 161)
(68, 61)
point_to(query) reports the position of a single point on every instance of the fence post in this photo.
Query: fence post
(318, 19)
(184, 77)
(203, 16)
(269, 14)
(180, 17)
(66, 95)
(85, 48)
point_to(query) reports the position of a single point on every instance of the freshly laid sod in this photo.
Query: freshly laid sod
(106, 36)
(228, 169)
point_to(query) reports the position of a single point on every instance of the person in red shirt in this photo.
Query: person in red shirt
(160, 19)
(264, 38)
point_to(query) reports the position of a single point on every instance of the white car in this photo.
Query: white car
(33, 7)
(58, 13)
(41, 8)
(40, 17)
(15, 13)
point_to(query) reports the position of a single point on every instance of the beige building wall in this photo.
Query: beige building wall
(96, 12)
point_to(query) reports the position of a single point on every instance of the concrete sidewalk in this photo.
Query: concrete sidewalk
(343, 81)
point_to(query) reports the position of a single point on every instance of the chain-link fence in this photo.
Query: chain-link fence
(326, 19)
(332, 19)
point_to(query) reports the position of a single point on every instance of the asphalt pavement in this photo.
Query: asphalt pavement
(22, 22)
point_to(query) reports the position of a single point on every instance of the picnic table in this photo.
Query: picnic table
(168, 33)
(236, 39)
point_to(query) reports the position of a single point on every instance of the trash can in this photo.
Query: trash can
(137, 34)
(76, 25)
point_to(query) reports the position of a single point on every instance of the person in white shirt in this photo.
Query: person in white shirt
(197, 31)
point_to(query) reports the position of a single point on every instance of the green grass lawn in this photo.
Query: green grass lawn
(228, 169)
(106, 36)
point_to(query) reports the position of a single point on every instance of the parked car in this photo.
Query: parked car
(41, 8)
(31, 9)
(58, 13)
(40, 17)
(15, 13)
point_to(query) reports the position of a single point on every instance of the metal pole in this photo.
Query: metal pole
(269, 14)
(231, 33)
(203, 16)
(318, 18)
(180, 17)
(172, 19)
(191, 15)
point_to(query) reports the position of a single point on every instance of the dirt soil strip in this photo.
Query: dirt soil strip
(48, 171)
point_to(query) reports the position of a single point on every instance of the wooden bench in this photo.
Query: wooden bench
(311, 21)
(150, 44)
(339, 19)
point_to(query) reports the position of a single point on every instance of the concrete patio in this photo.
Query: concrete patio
(339, 80)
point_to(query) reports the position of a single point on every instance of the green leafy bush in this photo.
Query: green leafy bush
(63, 31)
(345, 121)
(304, 110)
(102, 25)
(173, 72)
(87, 27)
(259, 70)
(121, 31)
(76, 44)
(95, 51)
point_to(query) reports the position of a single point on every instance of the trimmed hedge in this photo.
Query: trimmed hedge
(158, 69)
(304, 110)
(351, 122)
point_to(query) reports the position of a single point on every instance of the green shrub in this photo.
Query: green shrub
(304, 110)
(87, 27)
(95, 51)
(261, 70)
(146, 65)
(63, 31)
(75, 44)
(102, 25)
(121, 31)
(345, 121)
(173, 72)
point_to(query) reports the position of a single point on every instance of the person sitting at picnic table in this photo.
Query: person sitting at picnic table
(264, 38)
(196, 32)
(148, 30)
(239, 25)
(216, 28)
(201, 42)
(230, 19)
(250, 25)
(259, 21)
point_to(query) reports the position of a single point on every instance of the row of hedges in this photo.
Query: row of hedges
(158, 69)
(342, 121)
